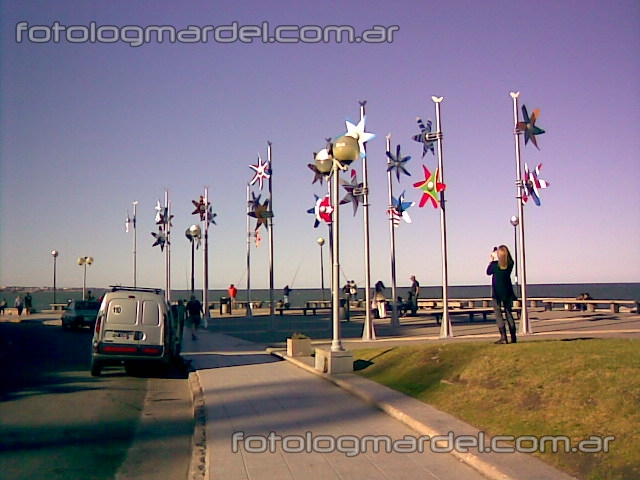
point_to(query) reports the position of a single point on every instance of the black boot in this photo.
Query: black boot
(503, 336)
(512, 331)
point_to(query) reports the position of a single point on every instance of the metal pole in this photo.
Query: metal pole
(55, 259)
(248, 311)
(193, 265)
(135, 243)
(168, 245)
(392, 233)
(445, 329)
(336, 344)
(525, 326)
(514, 221)
(369, 331)
(320, 242)
(271, 283)
(205, 288)
(84, 279)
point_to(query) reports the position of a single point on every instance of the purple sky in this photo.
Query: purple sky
(89, 128)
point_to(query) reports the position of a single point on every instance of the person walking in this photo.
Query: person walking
(28, 303)
(19, 304)
(500, 267)
(194, 310)
(233, 291)
(414, 291)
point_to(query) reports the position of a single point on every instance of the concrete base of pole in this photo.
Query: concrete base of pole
(331, 362)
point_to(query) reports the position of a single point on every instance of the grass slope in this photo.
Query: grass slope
(574, 388)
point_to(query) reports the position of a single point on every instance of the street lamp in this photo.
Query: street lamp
(514, 220)
(320, 241)
(54, 254)
(344, 151)
(84, 261)
(193, 234)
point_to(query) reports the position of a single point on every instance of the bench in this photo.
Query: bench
(568, 304)
(304, 310)
(472, 312)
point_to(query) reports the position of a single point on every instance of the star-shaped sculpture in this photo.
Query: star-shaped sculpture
(397, 162)
(532, 184)
(211, 217)
(399, 210)
(528, 126)
(201, 208)
(425, 137)
(262, 172)
(430, 187)
(354, 191)
(261, 213)
(323, 210)
(357, 132)
(161, 238)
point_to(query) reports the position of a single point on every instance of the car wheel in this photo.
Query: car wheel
(96, 368)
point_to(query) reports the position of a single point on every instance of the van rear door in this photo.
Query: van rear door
(121, 321)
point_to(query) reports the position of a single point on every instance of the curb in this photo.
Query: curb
(199, 466)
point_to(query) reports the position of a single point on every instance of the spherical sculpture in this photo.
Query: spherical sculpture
(346, 149)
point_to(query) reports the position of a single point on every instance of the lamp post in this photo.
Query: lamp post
(83, 262)
(54, 254)
(193, 234)
(320, 241)
(514, 220)
(135, 242)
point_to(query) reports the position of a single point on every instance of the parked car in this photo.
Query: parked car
(80, 313)
(135, 326)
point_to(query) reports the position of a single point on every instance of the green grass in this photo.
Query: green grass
(575, 388)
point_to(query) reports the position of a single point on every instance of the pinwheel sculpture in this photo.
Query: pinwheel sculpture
(323, 210)
(430, 187)
(162, 215)
(528, 126)
(426, 137)
(201, 208)
(399, 210)
(261, 213)
(397, 163)
(357, 132)
(532, 184)
(262, 172)
(354, 191)
(161, 238)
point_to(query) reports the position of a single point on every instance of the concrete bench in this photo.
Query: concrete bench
(472, 312)
(304, 310)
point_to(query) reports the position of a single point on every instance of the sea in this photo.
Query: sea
(42, 298)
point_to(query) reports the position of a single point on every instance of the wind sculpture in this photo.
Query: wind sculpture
(527, 186)
(162, 238)
(354, 191)
(204, 210)
(263, 213)
(396, 210)
(433, 188)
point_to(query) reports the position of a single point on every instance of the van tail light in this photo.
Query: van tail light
(98, 324)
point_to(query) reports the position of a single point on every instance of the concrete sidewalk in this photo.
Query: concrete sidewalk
(261, 398)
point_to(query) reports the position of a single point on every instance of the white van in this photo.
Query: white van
(135, 325)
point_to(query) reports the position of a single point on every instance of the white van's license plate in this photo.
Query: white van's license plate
(120, 335)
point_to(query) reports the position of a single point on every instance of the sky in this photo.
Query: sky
(87, 128)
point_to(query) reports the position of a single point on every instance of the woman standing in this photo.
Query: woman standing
(380, 300)
(502, 291)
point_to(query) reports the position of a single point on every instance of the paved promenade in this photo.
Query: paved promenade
(252, 390)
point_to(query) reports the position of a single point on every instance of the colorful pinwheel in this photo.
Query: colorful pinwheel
(532, 184)
(528, 126)
(261, 213)
(425, 137)
(357, 132)
(397, 162)
(200, 207)
(430, 187)
(399, 210)
(354, 191)
(161, 238)
(262, 172)
(323, 210)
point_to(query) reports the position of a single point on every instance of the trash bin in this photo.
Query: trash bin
(343, 311)
(225, 305)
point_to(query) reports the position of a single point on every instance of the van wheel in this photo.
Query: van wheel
(96, 368)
